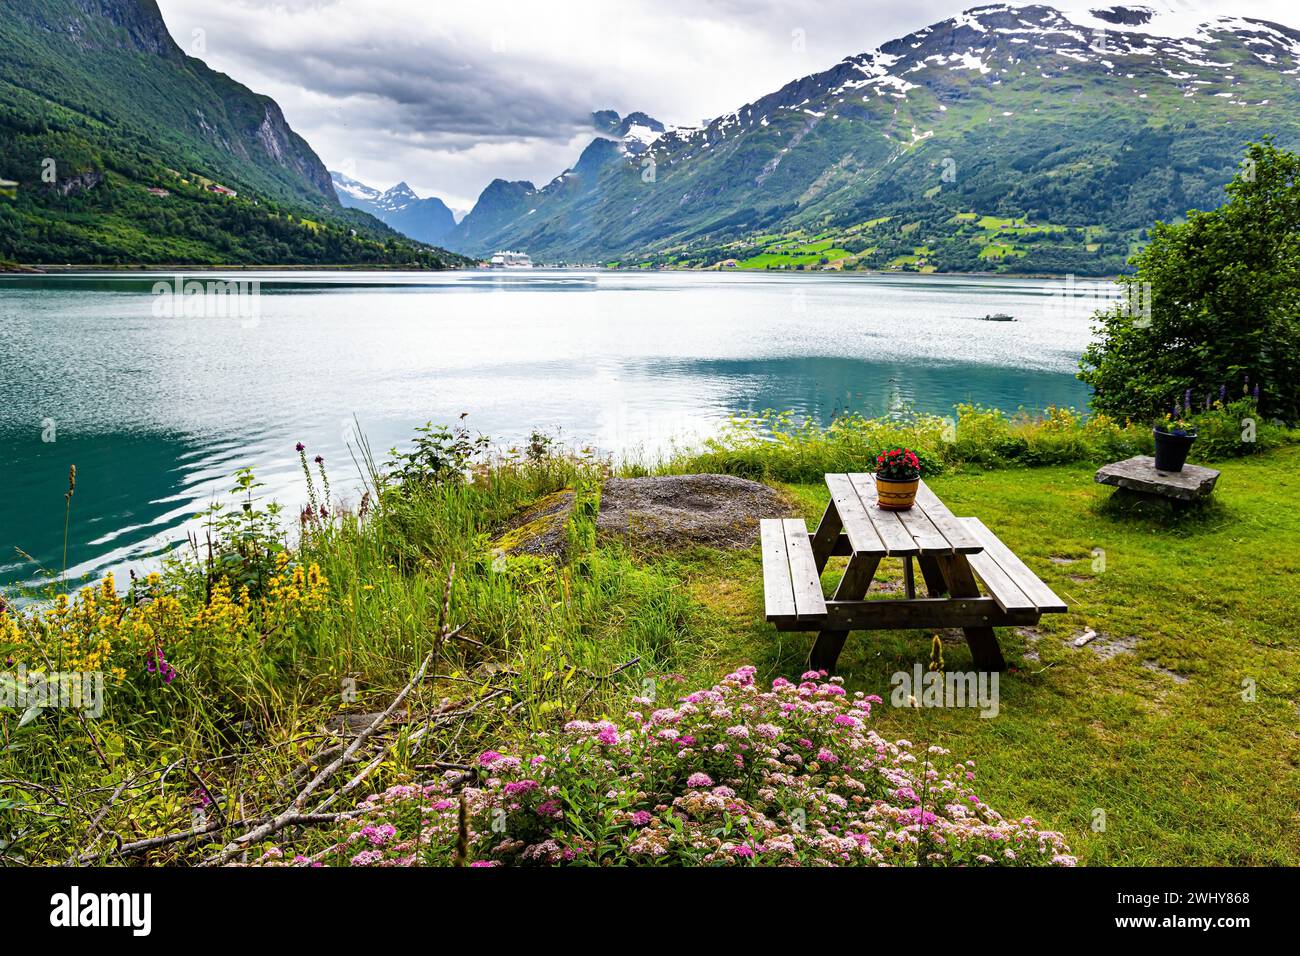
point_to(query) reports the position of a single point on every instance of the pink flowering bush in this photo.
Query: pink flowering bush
(733, 775)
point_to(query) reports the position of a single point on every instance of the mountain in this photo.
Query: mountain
(499, 208)
(427, 220)
(503, 208)
(1011, 137)
(98, 105)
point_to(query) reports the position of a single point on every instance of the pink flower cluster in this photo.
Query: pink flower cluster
(732, 775)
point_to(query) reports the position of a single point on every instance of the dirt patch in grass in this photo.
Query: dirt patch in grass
(1176, 677)
(1103, 645)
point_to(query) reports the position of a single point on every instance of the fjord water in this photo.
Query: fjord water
(156, 412)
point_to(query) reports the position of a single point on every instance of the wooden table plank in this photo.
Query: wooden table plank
(897, 540)
(1026, 580)
(862, 533)
(809, 601)
(778, 589)
(924, 532)
(961, 539)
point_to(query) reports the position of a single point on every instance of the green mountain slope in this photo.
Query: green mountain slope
(1012, 138)
(98, 105)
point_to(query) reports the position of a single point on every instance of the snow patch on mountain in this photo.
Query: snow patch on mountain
(351, 187)
(394, 199)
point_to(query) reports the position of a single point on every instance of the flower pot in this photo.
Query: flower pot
(896, 495)
(1171, 450)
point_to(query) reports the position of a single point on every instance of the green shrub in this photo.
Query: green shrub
(1236, 429)
(1215, 299)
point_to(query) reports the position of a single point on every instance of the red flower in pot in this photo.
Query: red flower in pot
(898, 472)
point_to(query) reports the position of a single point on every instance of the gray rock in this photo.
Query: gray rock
(1139, 474)
(672, 511)
(540, 529)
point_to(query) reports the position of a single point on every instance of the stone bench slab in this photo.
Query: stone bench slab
(1139, 474)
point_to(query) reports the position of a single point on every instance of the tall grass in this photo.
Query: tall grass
(259, 679)
(778, 446)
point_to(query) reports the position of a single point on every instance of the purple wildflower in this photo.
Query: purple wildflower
(156, 663)
(608, 735)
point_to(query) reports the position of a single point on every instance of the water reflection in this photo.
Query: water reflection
(821, 387)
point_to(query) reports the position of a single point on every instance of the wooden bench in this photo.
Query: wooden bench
(1009, 581)
(792, 587)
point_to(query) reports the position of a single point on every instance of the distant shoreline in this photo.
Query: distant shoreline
(174, 268)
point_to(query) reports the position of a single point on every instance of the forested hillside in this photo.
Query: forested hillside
(98, 106)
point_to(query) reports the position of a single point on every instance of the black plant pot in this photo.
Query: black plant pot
(1171, 450)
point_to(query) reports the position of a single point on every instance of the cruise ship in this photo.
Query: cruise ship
(511, 260)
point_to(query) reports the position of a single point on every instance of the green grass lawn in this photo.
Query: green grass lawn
(1186, 772)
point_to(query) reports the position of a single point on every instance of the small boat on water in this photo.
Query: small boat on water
(998, 317)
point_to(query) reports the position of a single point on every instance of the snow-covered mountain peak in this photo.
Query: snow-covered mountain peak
(399, 197)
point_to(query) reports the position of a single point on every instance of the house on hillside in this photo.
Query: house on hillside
(159, 192)
(222, 190)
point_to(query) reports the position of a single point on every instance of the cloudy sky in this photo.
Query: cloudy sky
(449, 95)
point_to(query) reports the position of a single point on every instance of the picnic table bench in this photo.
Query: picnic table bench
(951, 553)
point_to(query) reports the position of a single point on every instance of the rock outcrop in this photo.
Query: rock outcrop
(673, 511)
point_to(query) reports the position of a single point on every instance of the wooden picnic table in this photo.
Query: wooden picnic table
(951, 553)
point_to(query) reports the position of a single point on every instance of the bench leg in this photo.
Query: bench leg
(823, 539)
(982, 641)
(852, 587)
